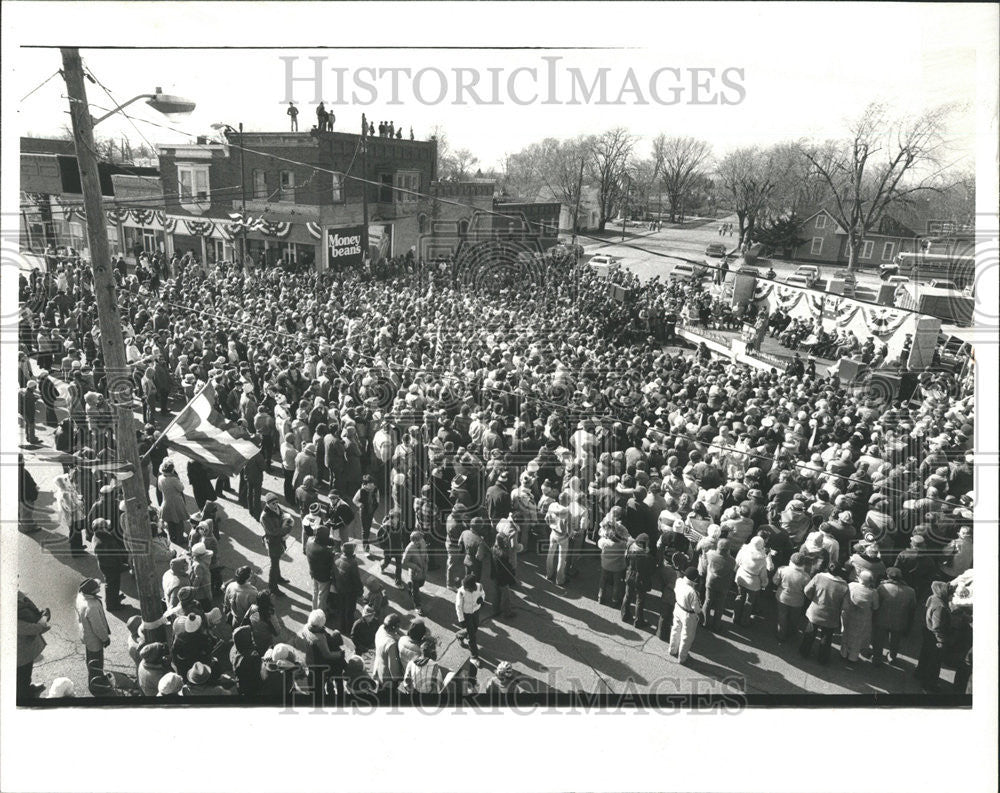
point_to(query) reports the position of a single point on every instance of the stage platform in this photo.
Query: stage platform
(730, 343)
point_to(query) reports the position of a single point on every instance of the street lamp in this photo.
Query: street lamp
(163, 103)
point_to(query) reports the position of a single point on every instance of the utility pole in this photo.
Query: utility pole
(136, 518)
(364, 199)
(243, 203)
(579, 195)
(625, 211)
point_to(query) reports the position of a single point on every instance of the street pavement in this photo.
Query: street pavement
(650, 254)
(562, 639)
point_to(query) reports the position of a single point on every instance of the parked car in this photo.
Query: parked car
(943, 283)
(845, 284)
(715, 249)
(798, 280)
(897, 280)
(685, 272)
(887, 271)
(809, 272)
(604, 264)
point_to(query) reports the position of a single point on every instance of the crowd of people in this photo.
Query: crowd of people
(462, 426)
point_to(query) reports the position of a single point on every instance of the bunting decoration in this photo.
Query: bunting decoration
(239, 223)
(117, 215)
(280, 229)
(144, 217)
(199, 228)
(315, 231)
(161, 216)
(883, 321)
(169, 224)
(787, 298)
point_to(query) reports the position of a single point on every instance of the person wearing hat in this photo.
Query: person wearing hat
(276, 529)
(173, 510)
(387, 671)
(153, 665)
(718, 567)
(306, 495)
(201, 574)
(346, 587)
(789, 593)
(191, 643)
(364, 629)
(392, 537)
(95, 633)
(199, 683)
(826, 592)
(174, 579)
(424, 675)
(28, 408)
(505, 681)
(239, 596)
(937, 631)
(324, 651)
(61, 688)
(639, 566)
(32, 622)
(170, 685)
(112, 556)
(246, 663)
(366, 502)
(415, 559)
(687, 611)
(893, 621)
(860, 604)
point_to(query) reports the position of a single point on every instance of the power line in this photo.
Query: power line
(495, 213)
(43, 82)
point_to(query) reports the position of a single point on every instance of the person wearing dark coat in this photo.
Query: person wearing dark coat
(201, 483)
(498, 500)
(347, 588)
(638, 580)
(246, 662)
(111, 558)
(937, 625)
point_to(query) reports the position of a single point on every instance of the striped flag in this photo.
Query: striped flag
(202, 433)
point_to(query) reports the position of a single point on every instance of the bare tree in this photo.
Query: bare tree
(608, 160)
(680, 162)
(748, 182)
(884, 161)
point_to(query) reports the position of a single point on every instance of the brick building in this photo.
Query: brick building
(300, 190)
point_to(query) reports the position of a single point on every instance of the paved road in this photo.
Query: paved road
(648, 254)
(560, 638)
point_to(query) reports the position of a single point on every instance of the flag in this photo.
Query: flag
(202, 433)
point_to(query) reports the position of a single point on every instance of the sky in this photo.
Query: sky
(804, 70)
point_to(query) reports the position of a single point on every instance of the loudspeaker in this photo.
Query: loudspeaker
(925, 338)
(849, 370)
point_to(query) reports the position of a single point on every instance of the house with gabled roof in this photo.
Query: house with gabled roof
(826, 241)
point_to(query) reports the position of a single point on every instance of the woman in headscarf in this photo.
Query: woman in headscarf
(859, 605)
(69, 504)
(751, 578)
(153, 665)
(173, 511)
